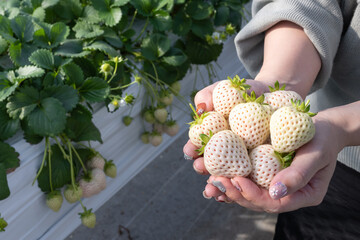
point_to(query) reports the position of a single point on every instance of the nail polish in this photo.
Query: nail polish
(200, 108)
(219, 186)
(236, 185)
(278, 190)
(187, 157)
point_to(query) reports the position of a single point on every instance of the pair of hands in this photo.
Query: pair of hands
(302, 184)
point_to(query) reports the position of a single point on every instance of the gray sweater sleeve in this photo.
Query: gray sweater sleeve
(321, 20)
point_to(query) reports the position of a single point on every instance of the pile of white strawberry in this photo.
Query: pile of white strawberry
(249, 136)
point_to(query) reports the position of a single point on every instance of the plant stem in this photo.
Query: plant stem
(143, 30)
(115, 70)
(80, 160)
(50, 173)
(133, 19)
(43, 161)
(71, 166)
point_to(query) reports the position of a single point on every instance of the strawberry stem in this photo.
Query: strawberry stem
(43, 161)
(303, 107)
(50, 172)
(277, 87)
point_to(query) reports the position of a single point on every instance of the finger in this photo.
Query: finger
(190, 152)
(205, 96)
(212, 191)
(199, 166)
(257, 86)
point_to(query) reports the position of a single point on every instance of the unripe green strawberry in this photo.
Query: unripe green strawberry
(251, 121)
(72, 194)
(278, 97)
(127, 120)
(148, 116)
(291, 127)
(54, 200)
(93, 182)
(225, 154)
(145, 137)
(175, 87)
(155, 139)
(96, 161)
(227, 94)
(171, 128)
(161, 115)
(166, 97)
(88, 218)
(110, 169)
(266, 163)
(3, 224)
(203, 124)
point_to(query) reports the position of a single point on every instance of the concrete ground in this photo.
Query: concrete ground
(164, 202)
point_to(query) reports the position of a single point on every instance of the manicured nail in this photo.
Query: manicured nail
(206, 196)
(236, 184)
(200, 108)
(187, 157)
(219, 186)
(277, 191)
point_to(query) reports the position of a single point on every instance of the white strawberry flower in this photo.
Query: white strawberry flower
(122, 103)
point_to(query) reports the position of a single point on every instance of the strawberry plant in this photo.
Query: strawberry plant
(59, 57)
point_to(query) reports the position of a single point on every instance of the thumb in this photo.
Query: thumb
(294, 177)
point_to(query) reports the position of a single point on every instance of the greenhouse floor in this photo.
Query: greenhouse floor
(164, 202)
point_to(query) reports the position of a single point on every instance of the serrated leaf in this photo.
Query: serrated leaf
(5, 29)
(222, 15)
(67, 95)
(29, 135)
(101, 5)
(94, 89)
(87, 30)
(174, 57)
(74, 74)
(42, 58)
(23, 102)
(119, 3)
(20, 53)
(8, 126)
(181, 23)
(90, 15)
(71, 48)
(79, 126)
(6, 88)
(29, 72)
(48, 3)
(112, 38)
(155, 46)
(148, 7)
(103, 47)
(4, 190)
(161, 20)
(111, 17)
(201, 28)
(3, 45)
(48, 118)
(199, 9)
(8, 157)
(200, 52)
(58, 33)
(23, 28)
(39, 13)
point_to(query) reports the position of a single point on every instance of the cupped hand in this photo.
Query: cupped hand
(204, 97)
(303, 184)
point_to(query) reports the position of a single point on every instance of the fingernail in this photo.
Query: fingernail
(218, 200)
(236, 185)
(278, 190)
(200, 108)
(197, 170)
(219, 186)
(187, 157)
(205, 196)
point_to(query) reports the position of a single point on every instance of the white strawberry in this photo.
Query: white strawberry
(171, 128)
(250, 120)
(225, 154)
(93, 182)
(266, 163)
(291, 127)
(278, 97)
(96, 161)
(204, 123)
(161, 114)
(155, 138)
(227, 94)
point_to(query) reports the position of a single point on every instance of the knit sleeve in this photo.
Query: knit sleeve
(321, 20)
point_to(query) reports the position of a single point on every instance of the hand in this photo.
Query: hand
(205, 96)
(302, 184)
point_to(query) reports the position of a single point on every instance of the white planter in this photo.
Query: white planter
(25, 209)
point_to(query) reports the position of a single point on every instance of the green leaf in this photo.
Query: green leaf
(74, 74)
(201, 28)
(23, 28)
(174, 57)
(181, 23)
(4, 190)
(29, 135)
(148, 7)
(103, 47)
(199, 9)
(112, 38)
(200, 52)
(155, 46)
(101, 5)
(20, 53)
(23, 102)
(6, 88)
(87, 30)
(58, 33)
(222, 15)
(42, 58)
(39, 13)
(79, 126)
(111, 17)
(3, 45)
(161, 20)
(5, 29)
(9, 158)
(94, 89)
(48, 118)
(71, 48)
(29, 72)
(65, 94)
(90, 15)
(8, 126)
(119, 3)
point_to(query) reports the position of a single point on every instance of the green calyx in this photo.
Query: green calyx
(204, 140)
(197, 118)
(239, 83)
(285, 158)
(303, 107)
(3, 224)
(277, 87)
(252, 98)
